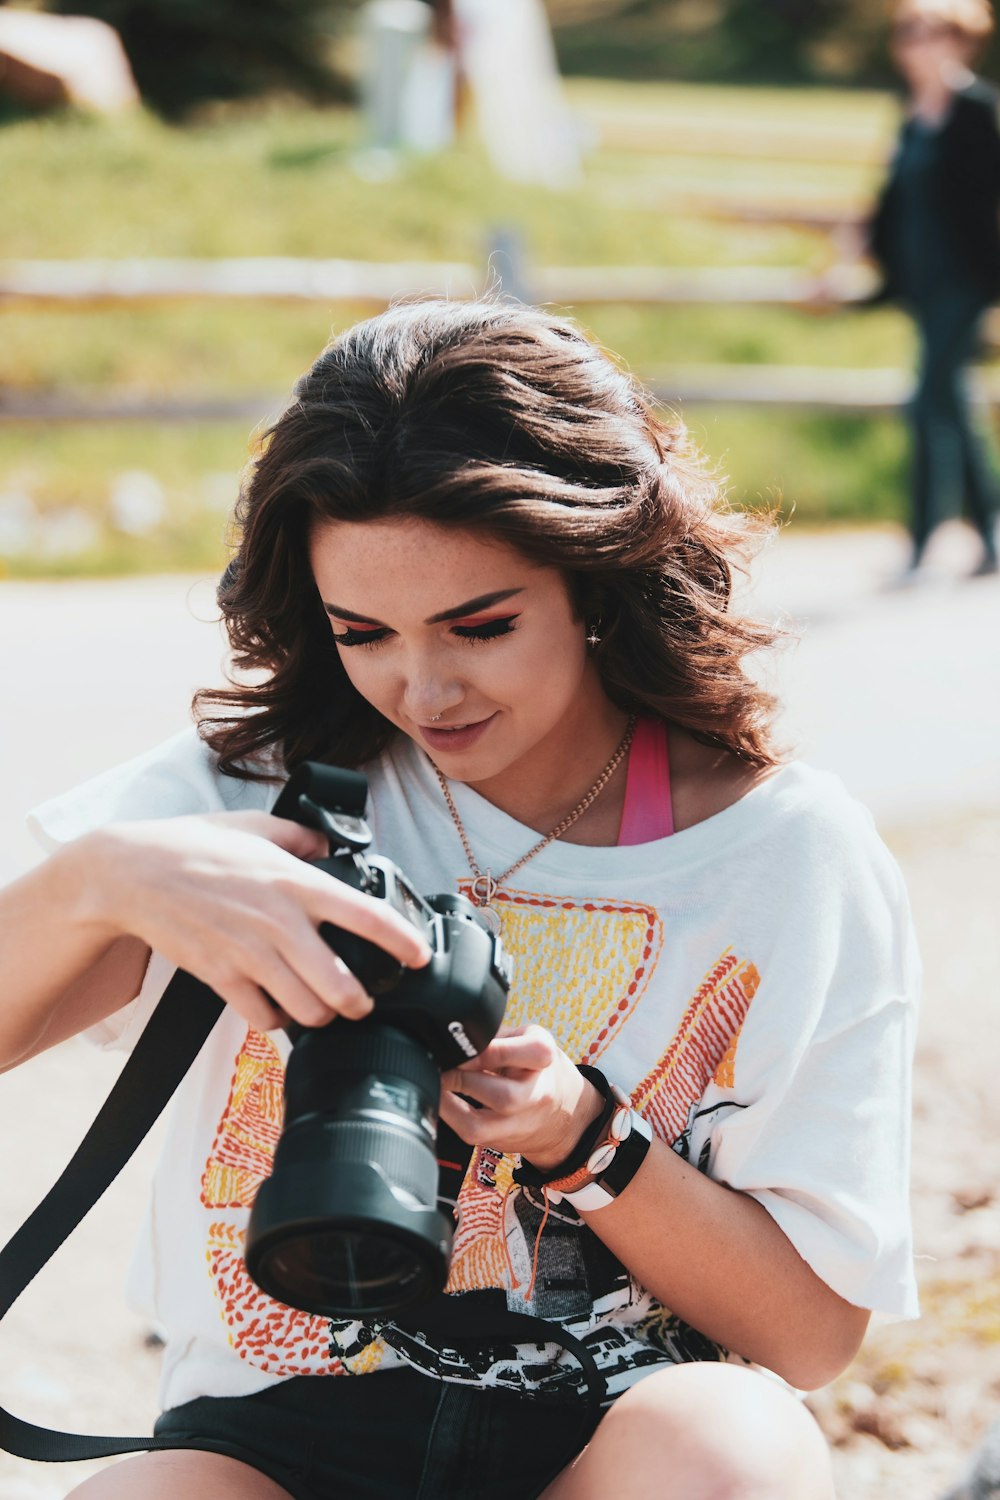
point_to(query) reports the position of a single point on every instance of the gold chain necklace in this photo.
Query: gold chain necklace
(486, 884)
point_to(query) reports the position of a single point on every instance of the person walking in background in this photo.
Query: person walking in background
(936, 236)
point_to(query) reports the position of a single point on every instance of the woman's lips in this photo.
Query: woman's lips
(455, 739)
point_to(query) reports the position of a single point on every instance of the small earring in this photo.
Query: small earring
(593, 633)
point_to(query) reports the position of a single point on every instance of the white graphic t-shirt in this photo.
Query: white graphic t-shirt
(750, 982)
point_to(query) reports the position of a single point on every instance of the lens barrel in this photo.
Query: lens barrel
(348, 1223)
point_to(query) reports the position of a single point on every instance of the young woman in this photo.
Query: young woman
(936, 235)
(474, 563)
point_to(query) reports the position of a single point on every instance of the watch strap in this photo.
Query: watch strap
(605, 1158)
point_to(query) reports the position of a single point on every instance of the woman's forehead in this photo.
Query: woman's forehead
(414, 561)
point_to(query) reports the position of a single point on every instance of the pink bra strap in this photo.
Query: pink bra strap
(648, 813)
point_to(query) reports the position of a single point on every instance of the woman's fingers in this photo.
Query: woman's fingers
(235, 899)
(474, 1126)
(282, 954)
(500, 1094)
(294, 838)
(250, 1002)
(322, 895)
(276, 995)
(538, 1110)
(300, 1002)
(528, 1050)
(330, 900)
(325, 976)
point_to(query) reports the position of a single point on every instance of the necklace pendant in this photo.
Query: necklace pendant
(483, 889)
(491, 917)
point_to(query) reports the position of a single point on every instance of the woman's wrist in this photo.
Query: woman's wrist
(589, 1107)
(94, 883)
(605, 1159)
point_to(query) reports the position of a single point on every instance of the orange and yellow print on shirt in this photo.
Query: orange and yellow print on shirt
(277, 1339)
(580, 969)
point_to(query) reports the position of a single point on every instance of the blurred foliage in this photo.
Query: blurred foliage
(746, 41)
(185, 52)
(814, 468)
(205, 350)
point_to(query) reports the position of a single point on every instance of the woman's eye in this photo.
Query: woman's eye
(489, 630)
(483, 630)
(351, 637)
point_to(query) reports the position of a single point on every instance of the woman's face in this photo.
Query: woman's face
(466, 646)
(925, 49)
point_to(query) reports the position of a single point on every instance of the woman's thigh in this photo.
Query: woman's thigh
(172, 1474)
(702, 1432)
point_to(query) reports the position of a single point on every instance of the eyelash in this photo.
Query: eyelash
(490, 630)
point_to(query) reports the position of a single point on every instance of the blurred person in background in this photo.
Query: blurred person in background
(936, 236)
(426, 61)
(508, 60)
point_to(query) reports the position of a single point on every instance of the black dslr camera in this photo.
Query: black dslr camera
(347, 1224)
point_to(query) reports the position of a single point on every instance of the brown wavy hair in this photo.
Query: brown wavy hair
(500, 419)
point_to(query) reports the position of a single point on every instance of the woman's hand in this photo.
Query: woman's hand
(231, 898)
(534, 1101)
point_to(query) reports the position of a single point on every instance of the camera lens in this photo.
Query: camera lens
(341, 1270)
(348, 1222)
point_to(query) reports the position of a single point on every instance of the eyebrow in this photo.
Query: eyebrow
(470, 607)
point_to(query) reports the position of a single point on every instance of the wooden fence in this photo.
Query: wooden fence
(110, 283)
(104, 283)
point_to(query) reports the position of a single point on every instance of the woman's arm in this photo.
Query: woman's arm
(61, 971)
(718, 1260)
(714, 1256)
(229, 897)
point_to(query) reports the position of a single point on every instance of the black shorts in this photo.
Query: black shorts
(397, 1435)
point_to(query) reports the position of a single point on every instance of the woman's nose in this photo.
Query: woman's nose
(429, 693)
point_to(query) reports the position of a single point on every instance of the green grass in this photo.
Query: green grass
(187, 349)
(208, 349)
(817, 470)
(670, 170)
(59, 482)
(282, 180)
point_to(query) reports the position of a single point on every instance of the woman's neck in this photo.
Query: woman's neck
(931, 96)
(931, 102)
(548, 783)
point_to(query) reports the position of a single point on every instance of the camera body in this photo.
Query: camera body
(348, 1223)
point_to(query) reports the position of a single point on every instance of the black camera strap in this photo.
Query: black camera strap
(171, 1041)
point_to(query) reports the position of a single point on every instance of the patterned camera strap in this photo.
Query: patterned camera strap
(473, 1320)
